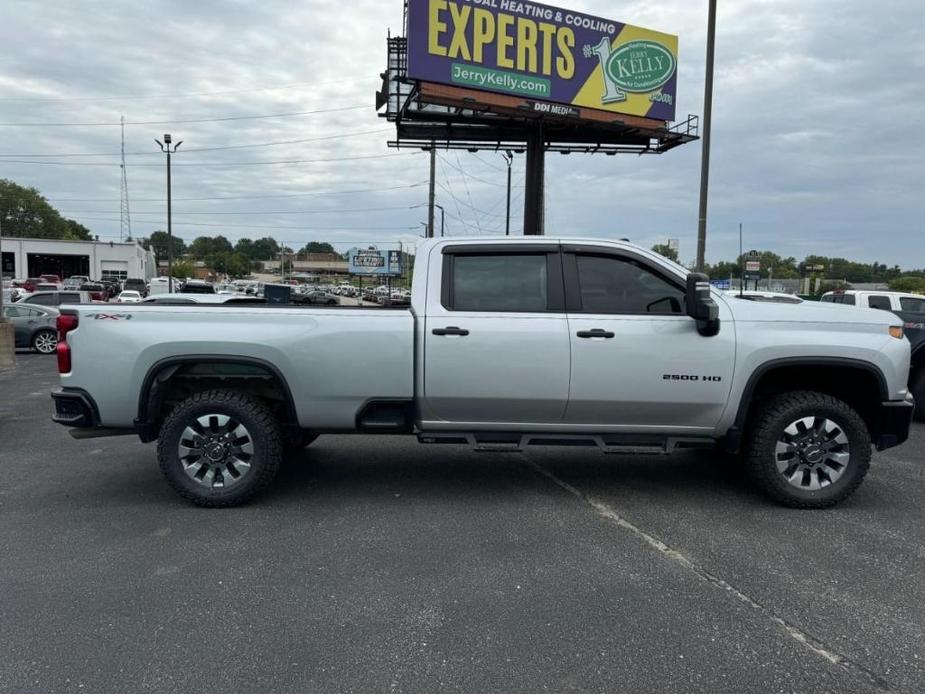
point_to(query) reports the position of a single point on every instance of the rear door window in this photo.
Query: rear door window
(512, 283)
(907, 303)
(879, 301)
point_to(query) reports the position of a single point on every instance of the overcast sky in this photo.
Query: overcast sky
(817, 135)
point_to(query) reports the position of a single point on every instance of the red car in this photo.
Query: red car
(97, 291)
(52, 279)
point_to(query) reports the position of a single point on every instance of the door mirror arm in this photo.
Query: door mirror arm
(700, 304)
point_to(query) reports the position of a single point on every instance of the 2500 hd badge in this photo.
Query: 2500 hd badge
(691, 377)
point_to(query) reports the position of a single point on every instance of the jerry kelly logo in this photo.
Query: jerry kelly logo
(636, 66)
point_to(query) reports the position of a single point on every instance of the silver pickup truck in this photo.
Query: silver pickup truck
(507, 343)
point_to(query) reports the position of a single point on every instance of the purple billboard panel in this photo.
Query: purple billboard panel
(540, 52)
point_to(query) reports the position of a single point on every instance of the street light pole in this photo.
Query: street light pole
(705, 153)
(165, 147)
(442, 218)
(509, 159)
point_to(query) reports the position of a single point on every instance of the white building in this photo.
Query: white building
(22, 258)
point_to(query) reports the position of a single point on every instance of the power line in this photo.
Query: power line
(173, 96)
(335, 136)
(254, 212)
(455, 199)
(469, 205)
(186, 120)
(250, 197)
(215, 163)
(478, 222)
(266, 226)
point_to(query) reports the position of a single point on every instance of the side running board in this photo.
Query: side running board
(606, 443)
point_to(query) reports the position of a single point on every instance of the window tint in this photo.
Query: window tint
(12, 311)
(909, 304)
(829, 298)
(621, 285)
(499, 283)
(882, 302)
(70, 298)
(44, 300)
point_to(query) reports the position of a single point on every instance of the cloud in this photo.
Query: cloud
(816, 144)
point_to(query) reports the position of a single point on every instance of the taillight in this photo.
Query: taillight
(65, 323)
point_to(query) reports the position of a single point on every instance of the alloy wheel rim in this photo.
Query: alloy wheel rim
(216, 451)
(812, 452)
(46, 343)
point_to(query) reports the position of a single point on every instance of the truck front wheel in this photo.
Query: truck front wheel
(220, 448)
(807, 449)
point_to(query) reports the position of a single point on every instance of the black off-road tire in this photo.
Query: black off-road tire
(260, 423)
(766, 428)
(917, 386)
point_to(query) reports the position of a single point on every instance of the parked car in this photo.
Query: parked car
(97, 292)
(112, 287)
(47, 287)
(315, 298)
(136, 284)
(509, 343)
(30, 283)
(34, 326)
(197, 287)
(80, 279)
(51, 279)
(129, 296)
(58, 297)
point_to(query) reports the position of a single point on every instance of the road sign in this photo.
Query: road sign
(750, 276)
(752, 266)
(721, 284)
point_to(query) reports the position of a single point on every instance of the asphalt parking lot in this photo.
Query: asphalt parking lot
(376, 564)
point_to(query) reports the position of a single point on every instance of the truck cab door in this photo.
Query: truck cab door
(495, 336)
(638, 360)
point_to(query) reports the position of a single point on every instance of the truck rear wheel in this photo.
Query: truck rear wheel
(807, 449)
(220, 448)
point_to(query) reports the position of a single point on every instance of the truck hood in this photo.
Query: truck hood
(808, 312)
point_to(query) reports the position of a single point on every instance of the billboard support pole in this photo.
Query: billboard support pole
(534, 182)
(430, 202)
(705, 153)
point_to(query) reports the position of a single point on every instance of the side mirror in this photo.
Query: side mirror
(700, 304)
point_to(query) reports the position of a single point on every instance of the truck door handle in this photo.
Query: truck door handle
(451, 330)
(597, 332)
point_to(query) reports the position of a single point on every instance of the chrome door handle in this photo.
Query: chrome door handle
(451, 330)
(597, 332)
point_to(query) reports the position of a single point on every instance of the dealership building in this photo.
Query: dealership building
(97, 259)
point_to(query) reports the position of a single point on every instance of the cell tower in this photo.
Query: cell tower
(125, 217)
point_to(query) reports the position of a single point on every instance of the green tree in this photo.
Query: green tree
(317, 247)
(157, 243)
(183, 269)
(233, 264)
(24, 212)
(265, 249)
(245, 246)
(665, 250)
(78, 231)
(909, 283)
(204, 246)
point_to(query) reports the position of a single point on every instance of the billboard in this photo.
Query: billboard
(543, 53)
(371, 261)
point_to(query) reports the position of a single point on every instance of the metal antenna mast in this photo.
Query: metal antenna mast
(125, 217)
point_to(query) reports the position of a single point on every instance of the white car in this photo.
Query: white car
(129, 296)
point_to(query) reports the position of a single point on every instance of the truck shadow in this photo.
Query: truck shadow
(342, 466)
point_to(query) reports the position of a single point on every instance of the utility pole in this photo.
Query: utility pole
(705, 152)
(165, 147)
(509, 159)
(7, 332)
(125, 217)
(430, 203)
